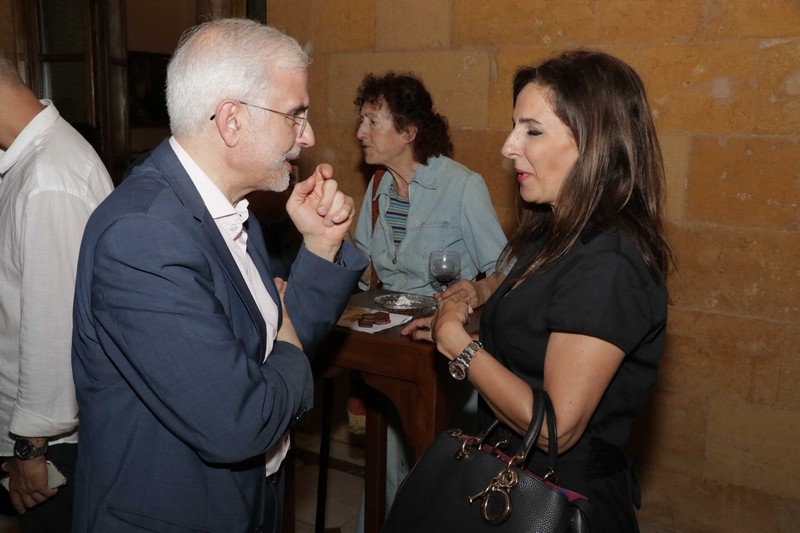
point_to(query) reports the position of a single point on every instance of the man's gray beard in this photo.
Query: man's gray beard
(282, 183)
(285, 178)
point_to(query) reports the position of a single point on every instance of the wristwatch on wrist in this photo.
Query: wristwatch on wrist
(459, 367)
(25, 449)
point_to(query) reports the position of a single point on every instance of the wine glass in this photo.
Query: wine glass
(444, 266)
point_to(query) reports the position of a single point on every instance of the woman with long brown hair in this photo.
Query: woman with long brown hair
(582, 311)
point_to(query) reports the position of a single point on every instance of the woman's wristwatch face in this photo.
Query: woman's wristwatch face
(459, 367)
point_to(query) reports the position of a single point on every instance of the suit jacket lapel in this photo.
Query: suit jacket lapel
(174, 173)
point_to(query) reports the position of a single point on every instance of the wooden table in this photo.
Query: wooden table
(409, 374)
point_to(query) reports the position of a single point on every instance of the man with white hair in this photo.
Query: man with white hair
(50, 181)
(189, 358)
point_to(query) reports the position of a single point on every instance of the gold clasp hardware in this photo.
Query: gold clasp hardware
(500, 445)
(465, 445)
(464, 451)
(503, 482)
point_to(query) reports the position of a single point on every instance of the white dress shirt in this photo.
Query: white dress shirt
(230, 220)
(50, 181)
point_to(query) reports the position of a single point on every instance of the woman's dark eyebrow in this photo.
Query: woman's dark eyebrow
(529, 121)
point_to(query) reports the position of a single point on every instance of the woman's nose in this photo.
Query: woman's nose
(361, 132)
(508, 149)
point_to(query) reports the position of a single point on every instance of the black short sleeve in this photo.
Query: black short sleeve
(603, 296)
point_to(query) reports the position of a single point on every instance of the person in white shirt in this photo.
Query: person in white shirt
(50, 181)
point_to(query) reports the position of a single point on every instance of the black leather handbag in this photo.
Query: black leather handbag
(463, 484)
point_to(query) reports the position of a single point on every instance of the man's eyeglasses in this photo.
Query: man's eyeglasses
(299, 119)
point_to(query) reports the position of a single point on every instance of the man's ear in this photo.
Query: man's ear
(227, 119)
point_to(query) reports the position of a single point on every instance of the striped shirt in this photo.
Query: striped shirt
(397, 216)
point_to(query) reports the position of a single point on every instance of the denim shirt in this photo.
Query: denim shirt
(450, 209)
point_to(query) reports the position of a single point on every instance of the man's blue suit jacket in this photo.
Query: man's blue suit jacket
(176, 405)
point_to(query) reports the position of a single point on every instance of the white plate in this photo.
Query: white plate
(407, 304)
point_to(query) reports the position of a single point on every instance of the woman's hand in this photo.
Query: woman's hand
(463, 290)
(448, 327)
(445, 327)
(419, 329)
(475, 293)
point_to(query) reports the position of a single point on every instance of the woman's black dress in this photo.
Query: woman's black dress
(603, 289)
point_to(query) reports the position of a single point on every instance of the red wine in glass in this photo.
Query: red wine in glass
(444, 266)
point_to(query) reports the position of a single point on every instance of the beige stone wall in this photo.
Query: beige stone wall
(717, 446)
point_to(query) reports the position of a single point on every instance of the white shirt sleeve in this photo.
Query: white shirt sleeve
(52, 227)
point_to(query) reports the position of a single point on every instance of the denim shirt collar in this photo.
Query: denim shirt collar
(426, 176)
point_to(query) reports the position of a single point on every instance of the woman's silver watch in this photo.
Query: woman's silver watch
(459, 367)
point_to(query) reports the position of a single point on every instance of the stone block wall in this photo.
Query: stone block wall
(716, 447)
